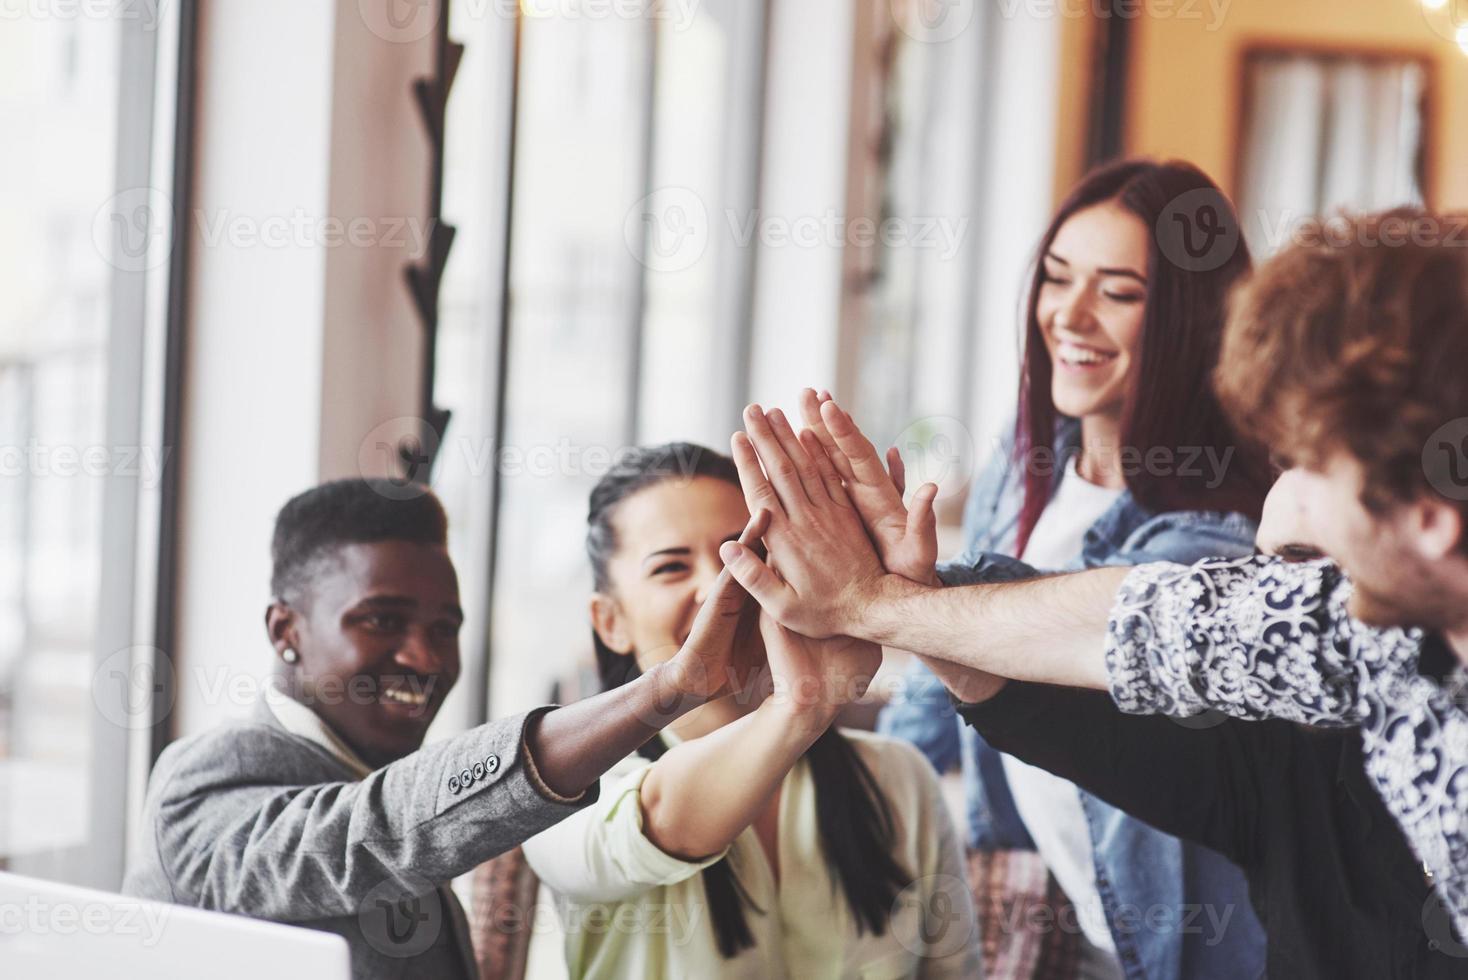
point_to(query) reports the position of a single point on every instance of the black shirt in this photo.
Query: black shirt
(1337, 889)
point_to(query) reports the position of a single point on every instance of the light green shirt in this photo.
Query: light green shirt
(631, 910)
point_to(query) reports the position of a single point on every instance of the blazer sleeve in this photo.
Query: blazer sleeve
(242, 824)
(601, 853)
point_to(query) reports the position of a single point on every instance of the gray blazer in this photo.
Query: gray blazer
(255, 820)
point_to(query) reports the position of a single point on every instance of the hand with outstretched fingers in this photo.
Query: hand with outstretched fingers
(906, 537)
(822, 567)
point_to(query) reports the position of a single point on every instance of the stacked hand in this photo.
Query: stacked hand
(826, 492)
(906, 540)
(812, 679)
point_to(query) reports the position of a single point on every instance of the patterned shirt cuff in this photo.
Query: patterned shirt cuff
(1140, 667)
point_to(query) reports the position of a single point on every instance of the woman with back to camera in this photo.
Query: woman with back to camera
(753, 839)
(1120, 455)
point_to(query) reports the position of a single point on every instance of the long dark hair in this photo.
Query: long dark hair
(857, 832)
(1172, 404)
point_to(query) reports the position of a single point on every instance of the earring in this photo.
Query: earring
(289, 656)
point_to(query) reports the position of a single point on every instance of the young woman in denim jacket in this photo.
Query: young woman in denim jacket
(1120, 455)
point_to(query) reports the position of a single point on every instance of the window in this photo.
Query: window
(80, 279)
(611, 129)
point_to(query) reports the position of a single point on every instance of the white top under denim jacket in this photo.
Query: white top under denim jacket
(631, 910)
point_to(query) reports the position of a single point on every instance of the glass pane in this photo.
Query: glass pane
(59, 79)
(697, 249)
(579, 166)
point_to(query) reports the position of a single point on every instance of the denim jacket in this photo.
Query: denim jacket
(1137, 868)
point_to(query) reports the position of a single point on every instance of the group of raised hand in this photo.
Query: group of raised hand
(828, 525)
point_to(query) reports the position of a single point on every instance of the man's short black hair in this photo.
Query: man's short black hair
(312, 524)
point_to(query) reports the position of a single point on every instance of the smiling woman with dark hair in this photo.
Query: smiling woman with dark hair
(323, 809)
(753, 838)
(1120, 453)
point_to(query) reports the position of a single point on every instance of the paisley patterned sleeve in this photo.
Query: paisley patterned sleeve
(1252, 638)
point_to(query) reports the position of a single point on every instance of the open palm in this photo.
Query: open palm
(906, 540)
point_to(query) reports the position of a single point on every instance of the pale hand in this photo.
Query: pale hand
(814, 678)
(823, 573)
(906, 539)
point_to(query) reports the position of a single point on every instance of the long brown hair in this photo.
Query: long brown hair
(1172, 404)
